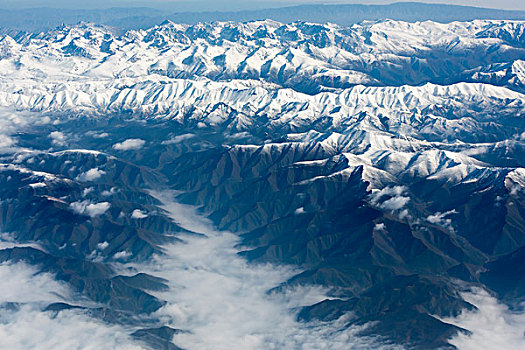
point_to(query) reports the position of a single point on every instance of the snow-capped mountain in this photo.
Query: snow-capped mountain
(379, 169)
(302, 56)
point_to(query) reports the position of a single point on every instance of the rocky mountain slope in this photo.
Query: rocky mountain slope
(383, 161)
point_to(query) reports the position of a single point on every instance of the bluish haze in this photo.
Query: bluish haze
(228, 5)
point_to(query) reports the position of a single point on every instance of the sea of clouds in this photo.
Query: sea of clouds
(219, 299)
(25, 293)
(223, 301)
(492, 325)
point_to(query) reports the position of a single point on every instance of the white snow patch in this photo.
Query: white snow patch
(515, 181)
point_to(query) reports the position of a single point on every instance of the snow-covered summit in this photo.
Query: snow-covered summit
(303, 56)
(403, 87)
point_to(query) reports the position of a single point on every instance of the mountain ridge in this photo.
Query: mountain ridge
(380, 163)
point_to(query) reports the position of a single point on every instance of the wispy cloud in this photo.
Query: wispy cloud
(223, 300)
(13, 121)
(492, 325)
(441, 219)
(139, 214)
(58, 138)
(8, 241)
(89, 208)
(91, 175)
(391, 199)
(25, 326)
(180, 138)
(129, 145)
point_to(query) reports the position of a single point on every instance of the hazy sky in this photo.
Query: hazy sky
(229, 5)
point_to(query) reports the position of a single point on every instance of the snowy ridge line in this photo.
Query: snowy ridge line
(306, 57)
(173, 98)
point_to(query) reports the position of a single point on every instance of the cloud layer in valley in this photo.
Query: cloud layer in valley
(24, 294)
(492, 325)
(222, 300)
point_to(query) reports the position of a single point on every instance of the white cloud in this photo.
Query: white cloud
(12, 122)
(391, 199)
(238, 136)
(122, 255)
(6, 142)
(222, 300)
(299, 211)
(22, 284)
(91, 175)
(129, 144)
(138, 214)
(441, 219)
(7, 241)
(404, 214)
(492, 326)
(390, 191)
(89, 208)
(103, 245)
(379, 195)
(27, 327)
(111, 191)
(58, 138)
(87, 191)
(37, 185)
(178, 139)
(101, 135)
(380, 227)
(395, 203)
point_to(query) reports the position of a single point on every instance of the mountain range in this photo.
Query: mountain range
(380, 164)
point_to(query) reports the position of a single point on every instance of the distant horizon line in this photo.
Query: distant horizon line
(40, 19)
(283, 6)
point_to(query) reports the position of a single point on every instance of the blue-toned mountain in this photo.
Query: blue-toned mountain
(358, 180)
